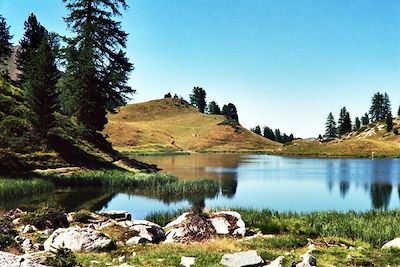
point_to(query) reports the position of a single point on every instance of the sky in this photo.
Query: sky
(285, 64)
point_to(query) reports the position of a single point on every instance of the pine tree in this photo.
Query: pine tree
(256, 130)
(97, 69)
(389, 122)
(230, 112)
(365, 119)
(41, 78)
(330, 126)
(5, 45)
(167, 95)
(268, 133)
(377, 110)
(291, 137)
(344, 122)
(213, 108)
(357, 124)
(387, 108)
(278, 136)
(398, 112)
(198, 99)
(33, 36)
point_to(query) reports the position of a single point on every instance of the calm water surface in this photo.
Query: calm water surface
(260, 181)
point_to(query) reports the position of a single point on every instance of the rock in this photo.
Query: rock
(118, 215)
(29, 229)
(14, 214)
(11, 260)
(236, 225)
(187, 261)
(308, 261)
(77, 239)
(125, 265)
(277, 262)
(151, 231)
(27, 245)
(178, 221)
(136, 240)
(395, 243)
(221, 225)
(121, 259)
(247, 258)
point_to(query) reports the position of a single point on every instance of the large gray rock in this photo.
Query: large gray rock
(118, 215)
(228, 222)
(11, 260)
(277, 262)
(151, 231)
(247, 258)
(395, 243)
(77, 239)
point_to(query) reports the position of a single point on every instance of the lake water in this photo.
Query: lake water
(257, 181)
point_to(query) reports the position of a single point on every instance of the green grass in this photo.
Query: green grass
(17, 187)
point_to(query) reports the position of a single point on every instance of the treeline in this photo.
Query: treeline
(198, 99)
(84, 75)
(273, 135)
(379, 111)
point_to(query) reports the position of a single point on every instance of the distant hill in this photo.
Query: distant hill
(173, 125)
(371, 139)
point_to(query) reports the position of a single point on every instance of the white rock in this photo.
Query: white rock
(11, 260)
(395, 243)
(29, 229)
(118, 215)
(77, 239)
(277, 262)
(221, 225)
(240, 227)
(151, 231)
(308, 261)
(136, 240)
(187, 261)
(178, 220)
(241, 259)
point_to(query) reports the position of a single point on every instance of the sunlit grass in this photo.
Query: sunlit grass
(17, 187)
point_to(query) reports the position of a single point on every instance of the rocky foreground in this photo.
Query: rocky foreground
(85, 232)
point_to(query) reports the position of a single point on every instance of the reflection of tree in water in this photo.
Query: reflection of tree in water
(229, 185)
(380, 195)
(344, 187)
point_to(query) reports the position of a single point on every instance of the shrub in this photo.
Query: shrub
(63, 257)
(46, 217)
(83, 216)
(7, 232)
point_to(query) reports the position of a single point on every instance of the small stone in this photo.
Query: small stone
(121, 259)
(29, 229)
(187, 261)
(94, 262)
(395, 243)
(241, 259)
(277, 262)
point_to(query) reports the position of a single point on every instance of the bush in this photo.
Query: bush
(63, 257)
(83, 216)
(46, 217)
(7, 232)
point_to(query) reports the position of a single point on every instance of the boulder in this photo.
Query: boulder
(136, 240)
(187, 261)
(29, 229)
(229, 222)
(307, 261)
(247, 258)
(277, 262)
(11, 260)
(77, 239)
(395, 243)
(118, 215)
(151, 231)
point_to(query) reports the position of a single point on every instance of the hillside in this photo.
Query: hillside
(372, 139)
(169, 124)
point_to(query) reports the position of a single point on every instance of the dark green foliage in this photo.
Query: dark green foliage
(278, 136)
(398, 112)
(230, 112)
(7, 232)
(63, 257)
(330, 126)
(83, 216)
(41, 76)
(269, 133)
(256, 130)
(365, 119)
(344, 122)
(5, 44)
(33, 36)
(198, 99)
(389, 122)
(167, 95)
(396, 131)
(213, 108)
(380, 107)
(97, 69)
(46, 217)
(357, 124)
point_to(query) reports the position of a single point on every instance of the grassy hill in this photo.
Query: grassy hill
(167, 125)
(362, 143)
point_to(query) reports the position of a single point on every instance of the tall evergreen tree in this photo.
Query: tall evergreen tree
(268, 133)
(256, 130)
(344, 122)
(377, 110)
(398, 112)
(213, 108)
(97, 69)
(5, 44)
(357, 124)
(330, 126)
(41, 78)
(278, 136)
(365, 119)
(230, 112)
(387, 107)
(198, 99)
(389, 122)
(291, 137)
(30, 42)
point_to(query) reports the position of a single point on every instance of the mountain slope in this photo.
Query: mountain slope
(174, 125)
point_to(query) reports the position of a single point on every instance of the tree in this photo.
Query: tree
(213, 108)
(41, 78)
(330, 126)
(5, 44)
(291, 137)
(268, 133)
(386, 105)
(344, 122)
(30, 42)
(198, 99)
(357, 124)
(389, 122)
(398, 112)
(365, 119)
(97, 69)
(256, 130)
(230, 112)
(377, 109)
(278, 136)
(167, 95)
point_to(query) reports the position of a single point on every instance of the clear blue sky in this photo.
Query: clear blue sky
(285, 64)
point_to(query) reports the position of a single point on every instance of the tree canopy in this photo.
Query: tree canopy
(5, 44)
(198, 99)
(330, 126)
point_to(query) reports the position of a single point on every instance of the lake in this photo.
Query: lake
(255, 181)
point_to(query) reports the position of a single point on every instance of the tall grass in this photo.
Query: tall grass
(17, 187)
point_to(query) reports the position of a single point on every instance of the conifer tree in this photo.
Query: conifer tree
(389, 122)
(30, 42)
(344, 122)
(357, 124)
(365, 119)
(198, 99)
(41, 77)
(398, 112)
(330, 126)
(213, 108)
(268, 133)
(97, 69)
(291, 137)
(278, 136)
(5, 44)
(386, 105)
(256, 130)
(377, 110)
(230, 112)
